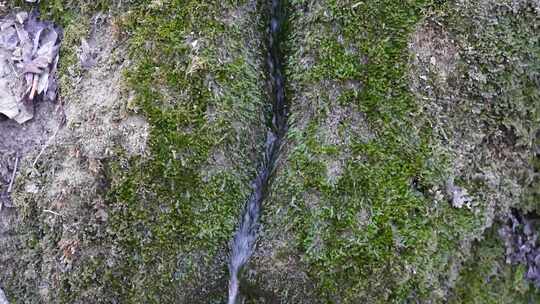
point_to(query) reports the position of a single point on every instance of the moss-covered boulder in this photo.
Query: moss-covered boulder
(414, 130)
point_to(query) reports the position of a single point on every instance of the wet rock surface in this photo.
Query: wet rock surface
(243, 243)
(520, 234)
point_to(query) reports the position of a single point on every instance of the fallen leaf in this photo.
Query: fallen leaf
(33, 46)
(9, 105)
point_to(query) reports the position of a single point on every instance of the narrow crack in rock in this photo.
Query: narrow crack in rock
(243, 242)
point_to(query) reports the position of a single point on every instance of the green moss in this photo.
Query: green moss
(370, 230)
(503, 48)
(198, 80)
(352, 194)
(197, 77)
(65, 13)
(369, 234)
(502, 79)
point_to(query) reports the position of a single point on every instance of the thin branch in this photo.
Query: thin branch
(50, 211)
(46, 145)
(34, 86)
(10, 187)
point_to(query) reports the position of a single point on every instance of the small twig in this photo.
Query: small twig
(13, 69)
(10, 187)
(46, 145)
(34, 87)
(50, 211)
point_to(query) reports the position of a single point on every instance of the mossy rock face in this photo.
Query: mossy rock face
(388, 118)
(414, 126)
(350, 191)
(193, 83)
(198, 78)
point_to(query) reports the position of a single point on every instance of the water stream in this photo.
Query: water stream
(243, 242)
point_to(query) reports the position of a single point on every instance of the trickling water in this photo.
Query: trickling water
(243, 243)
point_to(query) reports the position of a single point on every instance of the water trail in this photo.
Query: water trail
(243, 242)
